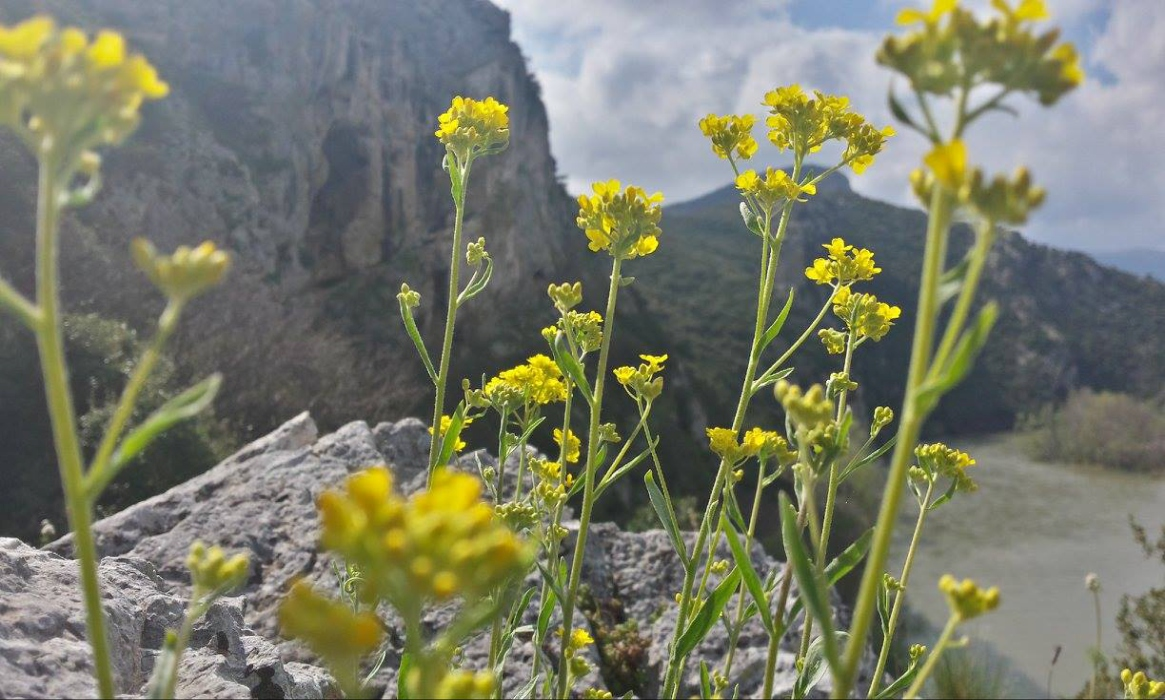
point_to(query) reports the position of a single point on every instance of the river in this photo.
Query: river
(1035, 530)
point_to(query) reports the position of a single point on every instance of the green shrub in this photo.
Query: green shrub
(1104, 428)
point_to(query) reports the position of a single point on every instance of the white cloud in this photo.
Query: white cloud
(625, 83)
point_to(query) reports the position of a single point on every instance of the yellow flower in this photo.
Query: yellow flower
(845, 264)
(67, 96)
(573, 445)
(536, 383)
(723, 442)
(624, 224)
(446, 424)
(331, 630)
(654, 363)
(641, 381)
(804, 124)
(730, 133)
(940, 9)
(775, 188)
(948, 162)
(186, 273)
(966, 599)
(472, 128)
(864, 314)
(1138, 686)
(440, 543)
(936, 459)
(212, 573)
(811, 409)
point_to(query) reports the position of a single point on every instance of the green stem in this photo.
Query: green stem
(775, 640)
(589, 476)
(450, 320)
(909, 430)
(800, 339)
(900, 594)
(771, 253)
(1096, 660)
(940, 646)
(99, 474)
(25, 310)
(60, 403)
(739, 617)
(962, 308)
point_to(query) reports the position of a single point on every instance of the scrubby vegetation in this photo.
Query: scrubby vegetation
(1102, 428)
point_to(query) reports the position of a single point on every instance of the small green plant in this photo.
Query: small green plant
(65, 95)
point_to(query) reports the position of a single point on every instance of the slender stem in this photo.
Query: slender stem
(940, 646)
(900, 594)
(1096, 660)
(99, 474)
(909, 429)
(775, 640)
(752, 520)
(450, 320)
(589, 476)
(962, 308)
(800, 339)
(24, 309)
(60, 403)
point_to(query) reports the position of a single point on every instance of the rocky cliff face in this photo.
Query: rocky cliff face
(262, 501)
(300, 134)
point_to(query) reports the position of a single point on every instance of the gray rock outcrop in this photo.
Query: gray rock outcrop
(262, 500)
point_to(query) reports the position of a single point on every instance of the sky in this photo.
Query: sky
(626, 81)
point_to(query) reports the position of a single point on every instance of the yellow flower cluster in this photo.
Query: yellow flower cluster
(330, 629)
(730, 134)
(1001, 199)
(810, 410)
(864, 314)
(953, 47)
(625, 224)
(765, 444)
(775, 188)
(438, 544)
(966, 599)
(803, 124)
(641, 380)
(211, 572)
(552, 484)
(565, 296)
(1138, 686)
(936, 459)
(579, 640)
(60, 90)
(446, 424)
(573, 448)
(471, 128)
(844, 265)
(457, 685)
(584, 328)
(186, 273)
(537, 382)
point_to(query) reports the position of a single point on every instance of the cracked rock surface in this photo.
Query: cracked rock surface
(262, 499)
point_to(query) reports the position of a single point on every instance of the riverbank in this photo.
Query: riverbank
(1035, 530)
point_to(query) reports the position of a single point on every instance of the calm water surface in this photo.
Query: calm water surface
(1035, 530)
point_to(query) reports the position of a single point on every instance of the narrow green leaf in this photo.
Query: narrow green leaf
(812, 669)
(884, 608)
(751, 220)
(666, 517)
(951, 282)
(748, 573)
(812, 589)
(544, 614)
(901, 683)
(179, 408)
(707, 616)
(571, 367)
(527, 690)
(868, 459)
(452, 435)
(842, 565)
(899, 111)
(959, 364)
(705, 681)
(778, 323)
(406, 666)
